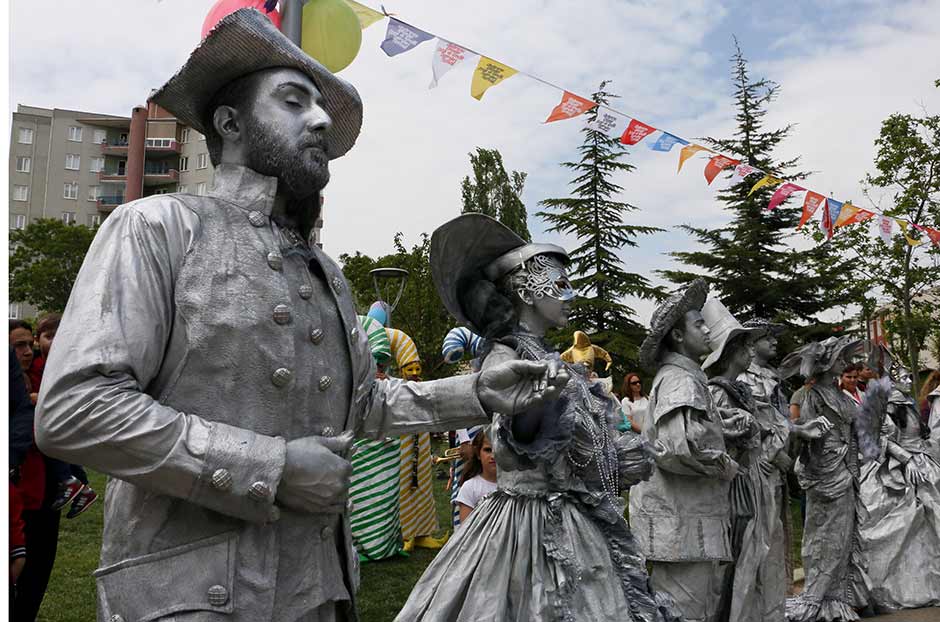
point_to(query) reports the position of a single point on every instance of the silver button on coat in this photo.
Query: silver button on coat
(281, 377)
(305, 291)
(257, 219)
(218, 595)
(259, 491)
(316, 335)
(275, 261)
(222, 479)
(282, 314)
(325, 382)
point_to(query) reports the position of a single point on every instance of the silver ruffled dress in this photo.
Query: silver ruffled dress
(551, 543)
(900, 521)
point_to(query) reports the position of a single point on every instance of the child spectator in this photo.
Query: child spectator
(479, 476)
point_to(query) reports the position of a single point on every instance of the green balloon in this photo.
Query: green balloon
(331, 33)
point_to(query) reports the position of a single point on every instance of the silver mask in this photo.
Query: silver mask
(541, 276)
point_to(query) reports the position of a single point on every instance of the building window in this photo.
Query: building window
(26, 136)
(184, 164)
(72, 161)
(201, 189)
(75, 134)
(97, 165)
(21, 193)
(18, 221)
(94, 193)
(70, 191)
(14, 311)
(184, 135)
(184, 189)
(68, 218)
(202, 160)
(23, 164)
(94, 220)
(100, 137)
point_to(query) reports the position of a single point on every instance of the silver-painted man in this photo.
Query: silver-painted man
(210, 360)
(681, 516)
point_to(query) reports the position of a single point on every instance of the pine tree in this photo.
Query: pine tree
(594, 216)
(748, 262)
(495, 192)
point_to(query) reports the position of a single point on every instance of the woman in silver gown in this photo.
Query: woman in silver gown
(899, 503)
(828, 470)
(551, 543)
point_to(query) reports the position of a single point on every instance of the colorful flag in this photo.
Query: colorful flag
(810, 204)
(608, 122)
(666, 141)
(766, 180)
(400, 37)
(366, 16)
(885, 227)
(716, 165)
(446, 56)
(635, 132)
(689, 151)
(781, 195)
(743, 170)
(571, 105)
(830, 216)
(488, 73)
(910, 241)
(851, 215)
(934, 235)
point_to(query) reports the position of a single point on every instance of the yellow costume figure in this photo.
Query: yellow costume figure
(585, 353)
(416, 500)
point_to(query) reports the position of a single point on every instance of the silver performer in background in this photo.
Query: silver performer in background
(828, 470)
(681, 516)
(211, 363)
(899, 498)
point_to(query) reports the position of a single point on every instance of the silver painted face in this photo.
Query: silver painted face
(541, 276)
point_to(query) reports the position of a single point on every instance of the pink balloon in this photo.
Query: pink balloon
(224, 7)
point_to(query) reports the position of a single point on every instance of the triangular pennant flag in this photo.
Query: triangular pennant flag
(766, 180)
(571, 105)
(910, 241)
(830, 216)
(635, 132)
(689, 151)
(446, 56)
(488, 73)
(781, 195)
(743, 170)
(851, 215)
(366, 16)
(885, 227)
(401, 37)
(810, 204)
(716, 165)
(934, 235)
(666, 141)
(608, 122)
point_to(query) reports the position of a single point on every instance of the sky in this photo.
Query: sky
(843, 67)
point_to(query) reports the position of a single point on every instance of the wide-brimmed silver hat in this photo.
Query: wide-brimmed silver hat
(665, 317)
(723, 328)
(242, 43)
(766, 327)
(817, 357)
(475, 247)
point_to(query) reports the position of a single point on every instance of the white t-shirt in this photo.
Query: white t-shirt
(473, 491)
(635, 411)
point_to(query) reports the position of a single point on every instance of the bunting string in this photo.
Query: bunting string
(402, 37)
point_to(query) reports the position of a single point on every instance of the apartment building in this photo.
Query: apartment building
(79, 166)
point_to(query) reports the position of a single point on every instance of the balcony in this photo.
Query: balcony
(108, 202)
(112, 177)
(114, 148)
(157, 174)
(158, 147)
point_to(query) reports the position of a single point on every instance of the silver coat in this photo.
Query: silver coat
(198, 339)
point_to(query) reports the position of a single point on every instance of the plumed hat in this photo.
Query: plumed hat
(723, 328)
(245, 42)
(378, 339)
(665, 317)
(584, 352)
(476, 247)
(817, 357)
(403, 347)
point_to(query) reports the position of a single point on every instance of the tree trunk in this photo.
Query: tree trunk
(913, 354)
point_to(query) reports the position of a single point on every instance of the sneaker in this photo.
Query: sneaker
(84, 499)
(67, 491)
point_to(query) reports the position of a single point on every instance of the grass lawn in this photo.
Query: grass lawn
(384, 589)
